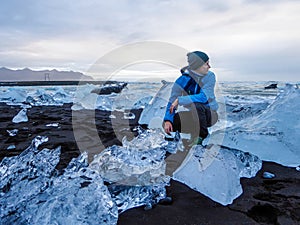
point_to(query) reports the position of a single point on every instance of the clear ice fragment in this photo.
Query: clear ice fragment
(21, 116)
(33, 192)
(268, 175)
(13, 132)
(216, 172)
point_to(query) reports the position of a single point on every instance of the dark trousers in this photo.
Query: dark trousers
(196, 121)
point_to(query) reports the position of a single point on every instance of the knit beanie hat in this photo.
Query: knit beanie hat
(196, 59)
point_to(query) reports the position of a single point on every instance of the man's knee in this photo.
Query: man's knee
(214, 118)
(201, 108)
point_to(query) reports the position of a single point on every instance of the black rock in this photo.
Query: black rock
(271, 86)
(110, 88)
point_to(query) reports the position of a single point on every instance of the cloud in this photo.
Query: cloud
(68, 34)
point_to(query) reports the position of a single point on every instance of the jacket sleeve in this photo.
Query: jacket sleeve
(206, 93)
(175, 93)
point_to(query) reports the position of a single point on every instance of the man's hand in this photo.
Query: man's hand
(168, 127)
(174, 106)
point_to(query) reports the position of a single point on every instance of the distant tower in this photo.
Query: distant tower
(47, 76)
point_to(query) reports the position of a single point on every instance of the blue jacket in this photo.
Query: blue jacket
(193, 88)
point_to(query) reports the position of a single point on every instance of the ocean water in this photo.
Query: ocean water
(255, 124)
(134, 95)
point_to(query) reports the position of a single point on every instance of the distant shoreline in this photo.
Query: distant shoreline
(53, 83)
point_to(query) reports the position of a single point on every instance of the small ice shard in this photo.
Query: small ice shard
(11, 147)
(127, 197)
(21, 116)
(13, 132)
(112, 117)
(129, 116)
(52, 125)
(298, 168)
(268, 175)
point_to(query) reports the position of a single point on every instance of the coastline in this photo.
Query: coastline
(54, 83)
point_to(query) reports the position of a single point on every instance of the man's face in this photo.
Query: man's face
(204, 68)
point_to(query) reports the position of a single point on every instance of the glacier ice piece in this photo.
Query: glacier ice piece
(127, 197)
(268, 175)
(40, 97)
(129, 116)
(84, 99)
(273, 135)
(136, 170)
(216, 171)
(21, 116)
(156, 108)
(13, 132)
(33, 192)
(142, 103)
(58, 96)
(138, 162)
(52, 125)
(13, 95)
(11, 147)
(61, 96)
(112, 117)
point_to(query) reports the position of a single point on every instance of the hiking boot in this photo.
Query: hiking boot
(196, 141)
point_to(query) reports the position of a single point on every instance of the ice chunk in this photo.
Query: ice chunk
(14, 95)
(142, 103)
(44, 98)
(21, 116)
(32, 192)
(273, 135)
(91, 101)
(61, 96)
(136, 170)
(129, 116)
(127, 197)
(58, 96)
(13, 132)
(131, 166)
(11, 147)
(215, 172)
(268, 175)
(78, 197)
(104, 103)
(52, 125)
(156, 108)
(154, 138)
(84, 99)
(112, 117)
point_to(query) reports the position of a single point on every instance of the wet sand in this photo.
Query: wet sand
(264, 201)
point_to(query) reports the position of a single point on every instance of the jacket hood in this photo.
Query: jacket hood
(187, 71)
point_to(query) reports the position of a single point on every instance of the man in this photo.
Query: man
(194, 90)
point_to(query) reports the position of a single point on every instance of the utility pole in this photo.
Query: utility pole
(47, 76)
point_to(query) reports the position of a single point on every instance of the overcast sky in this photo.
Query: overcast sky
(245, 39)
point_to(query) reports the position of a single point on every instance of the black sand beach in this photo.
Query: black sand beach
(264, 201)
